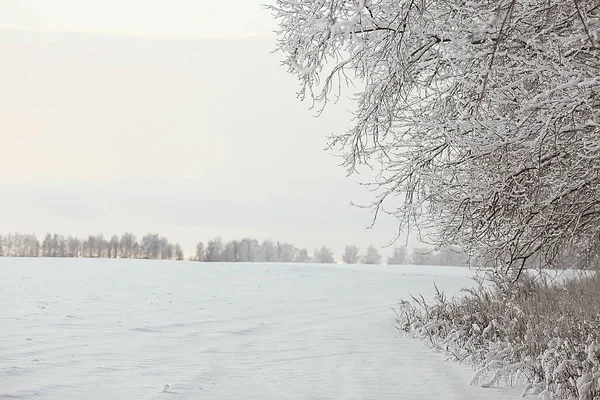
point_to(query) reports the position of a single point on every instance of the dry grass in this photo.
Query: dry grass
(541, 332)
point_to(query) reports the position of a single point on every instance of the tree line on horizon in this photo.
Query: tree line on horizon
(252, 250)
(155, 247)
(151, 246)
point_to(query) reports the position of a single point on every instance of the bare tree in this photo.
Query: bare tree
(350, 255)
(482, 118)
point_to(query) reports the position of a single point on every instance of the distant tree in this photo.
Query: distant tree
(398, 257)
(372, 256)
(214, 249)
(350, 255)
(152, 246)
(6, 246)
(34, 246)
(286, 252)
(199, 252)
(136, 250)
(423, 256)
(168, 251)
(73, 247)
(56, 245)
(302, 256)
(8, 250)
(268, 251)
(60, 245)
(47, 246)
(113, 247)
(89, 246)
(19, 245)
(101, 246)
(178, 252)
(324, 256)
(451, 256)
(126, 244)
(249, 250)
(231, 252)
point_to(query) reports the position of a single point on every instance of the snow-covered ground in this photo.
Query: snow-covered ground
(122, 329)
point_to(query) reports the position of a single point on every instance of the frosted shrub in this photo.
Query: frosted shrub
(544, 334)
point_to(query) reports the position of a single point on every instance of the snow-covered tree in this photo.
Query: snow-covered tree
(73, 247)
(398, 257)
(167, 250)
(214, 249)
(482, 117)
(150, 246)
(450, 256)
(324, 256)
(268, 251)
(136, 250)
(350, 255)
(423, 256)
(48, 248)
(302, 256)
(286, 252)
(372, 256)
(113, 247)
(199, 252)
(231, 252)
(178, 252)
(126, 244)
(249, 250)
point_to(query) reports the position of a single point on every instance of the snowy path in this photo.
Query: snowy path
(98, 329)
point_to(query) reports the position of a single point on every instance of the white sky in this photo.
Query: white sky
(165, 116)
(156, 18)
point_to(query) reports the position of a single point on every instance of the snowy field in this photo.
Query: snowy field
(122, 329)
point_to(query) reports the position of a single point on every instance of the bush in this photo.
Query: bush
(544, 333)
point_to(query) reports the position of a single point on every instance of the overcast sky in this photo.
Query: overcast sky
(165, 116)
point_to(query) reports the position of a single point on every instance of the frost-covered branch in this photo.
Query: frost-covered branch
(483, 117)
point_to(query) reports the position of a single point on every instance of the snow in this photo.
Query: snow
(134, 329)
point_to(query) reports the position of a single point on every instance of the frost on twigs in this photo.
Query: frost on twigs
(482, 117)
(540, 334)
